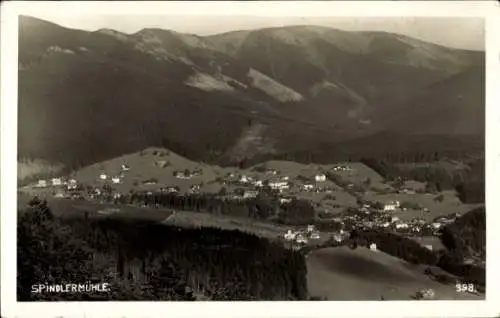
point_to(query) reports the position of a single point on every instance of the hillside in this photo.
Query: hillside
(361, 274)
(85, 97)
(370, 65)
(460, 99)
(467, 235)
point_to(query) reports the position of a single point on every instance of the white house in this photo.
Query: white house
(285, 200)
(429, 247)
(72, 184)
(389, 207)
(171, 189)
(308, 187)
(338, 238)
(436, 225)
(181, 175)
(285, 178)
(373, 247)
(394, 219)
(103, 176)
(315, 235)
(341, 168)
(320, 177)
(289, 236)
(115, 180)
(301, 239)
(244, 179)
(402, 226)
(41, 183)
(310, 228)
(56, 181)
(258, 183)
(250, 194)
(279, 185)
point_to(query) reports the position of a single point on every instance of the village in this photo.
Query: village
(344, 203)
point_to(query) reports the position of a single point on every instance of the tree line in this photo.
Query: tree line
(263, 207)
(145, 261)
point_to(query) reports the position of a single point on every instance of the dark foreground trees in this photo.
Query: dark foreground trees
(144, 261)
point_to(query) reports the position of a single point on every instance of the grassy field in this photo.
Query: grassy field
(450, 204)
(340, 273)
(144, 166)
(359, 172)
(198, 219)
(36, 167)
(65, 208)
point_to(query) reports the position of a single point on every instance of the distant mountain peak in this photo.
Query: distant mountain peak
(116, 34)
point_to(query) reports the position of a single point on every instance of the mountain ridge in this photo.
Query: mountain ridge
(165, 83)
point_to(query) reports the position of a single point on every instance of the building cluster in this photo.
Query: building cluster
(368, 217)
(286, 187)
(60, 183)
(187, 174)
(302, 236)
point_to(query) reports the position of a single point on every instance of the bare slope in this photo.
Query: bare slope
(360, 274)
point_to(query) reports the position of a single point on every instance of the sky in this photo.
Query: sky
(461, 32)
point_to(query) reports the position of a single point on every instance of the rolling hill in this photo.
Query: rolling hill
(89, 96)
(365, 275)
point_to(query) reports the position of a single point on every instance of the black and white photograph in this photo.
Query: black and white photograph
(167, 157)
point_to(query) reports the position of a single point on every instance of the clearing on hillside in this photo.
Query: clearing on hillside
(449, 204)
(152, 163)
(340, 273)
(30, 168)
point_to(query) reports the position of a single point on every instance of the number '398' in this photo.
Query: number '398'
(463, 288)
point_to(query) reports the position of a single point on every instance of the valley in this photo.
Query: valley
(284, 163)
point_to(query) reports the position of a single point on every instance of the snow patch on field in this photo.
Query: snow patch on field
(273, 88)
(208, 83)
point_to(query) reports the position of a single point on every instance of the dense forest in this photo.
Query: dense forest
(144, 261)
(467, 235)
(264, 207)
